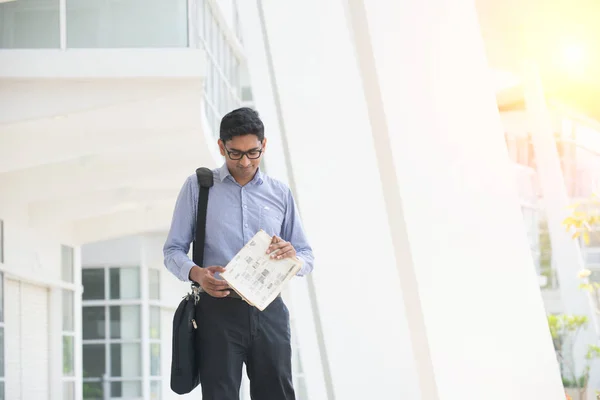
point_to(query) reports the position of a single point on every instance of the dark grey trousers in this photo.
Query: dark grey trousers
(231, 332)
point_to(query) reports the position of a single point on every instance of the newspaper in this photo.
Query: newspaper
(255, 276)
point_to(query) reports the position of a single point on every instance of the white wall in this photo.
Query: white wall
(340, 196)
(33, 323)
(406, 309)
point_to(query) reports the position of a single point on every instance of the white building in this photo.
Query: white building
(106, 107)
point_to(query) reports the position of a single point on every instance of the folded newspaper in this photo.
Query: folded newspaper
(255, 276)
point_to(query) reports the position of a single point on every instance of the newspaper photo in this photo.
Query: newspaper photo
(255, 276)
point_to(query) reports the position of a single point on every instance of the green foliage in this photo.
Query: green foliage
(564, 329)
(582, 222)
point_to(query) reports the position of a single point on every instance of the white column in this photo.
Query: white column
(340, 195)
(461, 249)
(299, 295)
(566, 253)
(424, 275)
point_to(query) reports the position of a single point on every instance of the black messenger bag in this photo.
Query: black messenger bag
(185, 359)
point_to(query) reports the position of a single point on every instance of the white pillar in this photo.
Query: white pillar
(339, 192)
(424, 278)
(299, 295)
(566, 253)
(452, 202)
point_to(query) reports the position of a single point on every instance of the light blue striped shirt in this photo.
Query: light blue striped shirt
(235, 213)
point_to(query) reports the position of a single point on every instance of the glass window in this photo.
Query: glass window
(93, 283)
(125, 360)
(124, 283)
(125, 322)
(67, 263)
(1, 352)
(68, 355)
(126, 23)
(126, 389)
(154, 279)
(154, 322)
(68, 310)
(69, 390)
(94, 323)
(1, 297)
(94, 360)
(155, 390)
(155, 359)
(93, 391)
(29, 24)
(1, 239)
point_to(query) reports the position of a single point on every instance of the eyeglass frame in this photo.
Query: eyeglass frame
(243, 153)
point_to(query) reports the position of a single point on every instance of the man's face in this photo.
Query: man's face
(242, 155)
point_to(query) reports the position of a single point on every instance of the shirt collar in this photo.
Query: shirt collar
(224, 173)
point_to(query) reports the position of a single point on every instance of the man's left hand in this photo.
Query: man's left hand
(280, 249)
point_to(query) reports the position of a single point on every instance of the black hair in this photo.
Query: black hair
(243, 121)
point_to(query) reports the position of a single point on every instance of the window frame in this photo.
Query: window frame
(107, 380)
(67, 264)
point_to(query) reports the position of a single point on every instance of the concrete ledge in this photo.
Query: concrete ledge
(103, 63)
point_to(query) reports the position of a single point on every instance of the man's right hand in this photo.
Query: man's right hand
(205, 277)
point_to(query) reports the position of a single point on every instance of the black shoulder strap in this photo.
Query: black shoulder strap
(205, 182)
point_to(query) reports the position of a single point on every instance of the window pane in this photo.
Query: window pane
(126, 389)
(68, 390)
(93, 283)
(94, 323)
(155, 390)
(29, 24)
(1, 297)
(94, 361)
(68, 355)
(126, 23)
(154, 323)
(67, 263)
(155, 359)
(124, 283)
(68, 310)
(1, 241)
(125, 322)
(125, 360)
(154, 278)
(1, 351)
(1, 390)
(93, 391)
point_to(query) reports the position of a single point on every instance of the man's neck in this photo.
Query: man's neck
(243, 182)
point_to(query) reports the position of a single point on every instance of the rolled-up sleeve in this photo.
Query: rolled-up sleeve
(293, 232)
(181, 233)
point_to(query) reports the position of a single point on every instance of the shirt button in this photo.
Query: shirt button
(245, 206)
(246, 225)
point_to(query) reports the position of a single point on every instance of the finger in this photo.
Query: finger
(281, 250)
(291, 253)
(216, 284)
(274, 247)
(275, 239)
(215, 268)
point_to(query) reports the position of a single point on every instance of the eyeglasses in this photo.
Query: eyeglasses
(238, 155)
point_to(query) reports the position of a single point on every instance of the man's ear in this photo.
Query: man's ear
(264, 144)
(221, 147)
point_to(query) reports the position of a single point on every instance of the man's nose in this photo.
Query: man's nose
(245, 161)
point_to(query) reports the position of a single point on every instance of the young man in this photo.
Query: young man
(242, 201)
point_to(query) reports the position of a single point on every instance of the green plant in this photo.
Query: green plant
(584, 220)
(564, 330)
